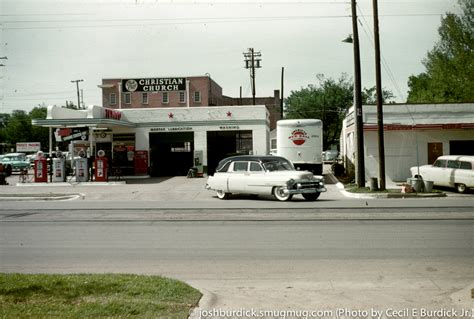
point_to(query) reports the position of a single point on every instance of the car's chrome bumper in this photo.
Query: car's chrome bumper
(304, 190)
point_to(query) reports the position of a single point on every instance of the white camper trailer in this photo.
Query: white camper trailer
(301, 142)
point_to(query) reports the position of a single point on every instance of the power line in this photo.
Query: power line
(141, 20)
(384, 61)
(184, 21)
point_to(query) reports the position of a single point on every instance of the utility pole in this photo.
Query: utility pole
(282, 96)
(378, 85)
(78, 95)
(252, 61)
(360, 163)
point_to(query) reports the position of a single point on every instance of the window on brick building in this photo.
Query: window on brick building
(197, 96)
(112, 99)
(165, 98)
(182, 97)
(144, 98)
(128, 98)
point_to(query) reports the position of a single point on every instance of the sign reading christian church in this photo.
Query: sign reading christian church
(154, 85)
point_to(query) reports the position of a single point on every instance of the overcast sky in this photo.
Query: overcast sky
(48, 43)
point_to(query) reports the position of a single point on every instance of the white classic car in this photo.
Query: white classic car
(449, 170)
(264, 175)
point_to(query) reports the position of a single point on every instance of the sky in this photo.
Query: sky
(49, 43)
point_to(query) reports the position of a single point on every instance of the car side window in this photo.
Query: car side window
(224, 168)
(240, 166)
(255, 167)
(453, 164)
(440, 163)
(465, 165)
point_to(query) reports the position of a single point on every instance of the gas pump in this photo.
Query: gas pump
(82, 171)
(41, 168)
(101, 167)
(59, 168)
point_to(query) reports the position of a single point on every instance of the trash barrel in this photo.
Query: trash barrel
(374, 184)
(428, 186)
(416, 184)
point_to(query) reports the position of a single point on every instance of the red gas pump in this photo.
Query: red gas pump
(41, 171)
(101, 167)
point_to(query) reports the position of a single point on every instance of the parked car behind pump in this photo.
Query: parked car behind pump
(14, 162)
(264, 175)
(449, 170)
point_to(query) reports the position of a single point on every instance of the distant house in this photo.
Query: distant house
(414, 134)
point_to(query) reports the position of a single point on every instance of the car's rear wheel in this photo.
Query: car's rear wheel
(280, 194)
(222, 195)
(311, 196)
(461, 188)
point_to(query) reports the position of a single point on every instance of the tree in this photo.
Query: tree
(369, 96)
(450, 64)
(4, 119)
(327, 101)
(39, 134)
(17, 127)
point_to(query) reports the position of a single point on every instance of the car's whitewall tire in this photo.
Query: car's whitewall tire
(280, 194)
(222, 194)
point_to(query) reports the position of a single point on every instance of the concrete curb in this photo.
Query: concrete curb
(71, 184)
(36, 197)
(390, 195)
(207, 302)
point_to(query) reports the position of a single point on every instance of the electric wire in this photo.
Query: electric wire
(384, 61)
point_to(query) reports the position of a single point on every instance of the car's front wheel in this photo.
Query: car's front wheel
(461, 188)
(222, 195)
(311, 196)
(280, 194)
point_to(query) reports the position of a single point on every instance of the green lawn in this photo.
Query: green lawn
(94, 295)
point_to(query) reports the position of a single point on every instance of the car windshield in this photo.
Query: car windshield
(277, 164)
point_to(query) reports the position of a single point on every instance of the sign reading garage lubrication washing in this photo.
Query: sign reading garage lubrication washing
(154, 85)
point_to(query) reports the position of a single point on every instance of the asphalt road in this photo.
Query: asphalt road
(263, 264)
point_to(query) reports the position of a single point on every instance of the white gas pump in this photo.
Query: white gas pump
(82, 170)
(59, 168)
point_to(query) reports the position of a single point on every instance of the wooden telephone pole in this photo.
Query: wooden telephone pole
(252, 62)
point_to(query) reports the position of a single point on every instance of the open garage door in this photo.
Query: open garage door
(222, 144)
(171, 154)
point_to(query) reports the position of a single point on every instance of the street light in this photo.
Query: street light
(354, 39)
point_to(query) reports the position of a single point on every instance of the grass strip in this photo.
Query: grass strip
(94, 295)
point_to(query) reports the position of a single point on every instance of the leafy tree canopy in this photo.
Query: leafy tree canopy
(328, 101)
(450, 64)
(16, 127)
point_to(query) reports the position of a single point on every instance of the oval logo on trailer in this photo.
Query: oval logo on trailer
(298, 137)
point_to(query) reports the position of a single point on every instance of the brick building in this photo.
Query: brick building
(193, 91)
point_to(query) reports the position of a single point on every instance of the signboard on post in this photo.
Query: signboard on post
(28, 147)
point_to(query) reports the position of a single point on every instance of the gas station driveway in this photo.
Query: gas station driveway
(165, 189)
